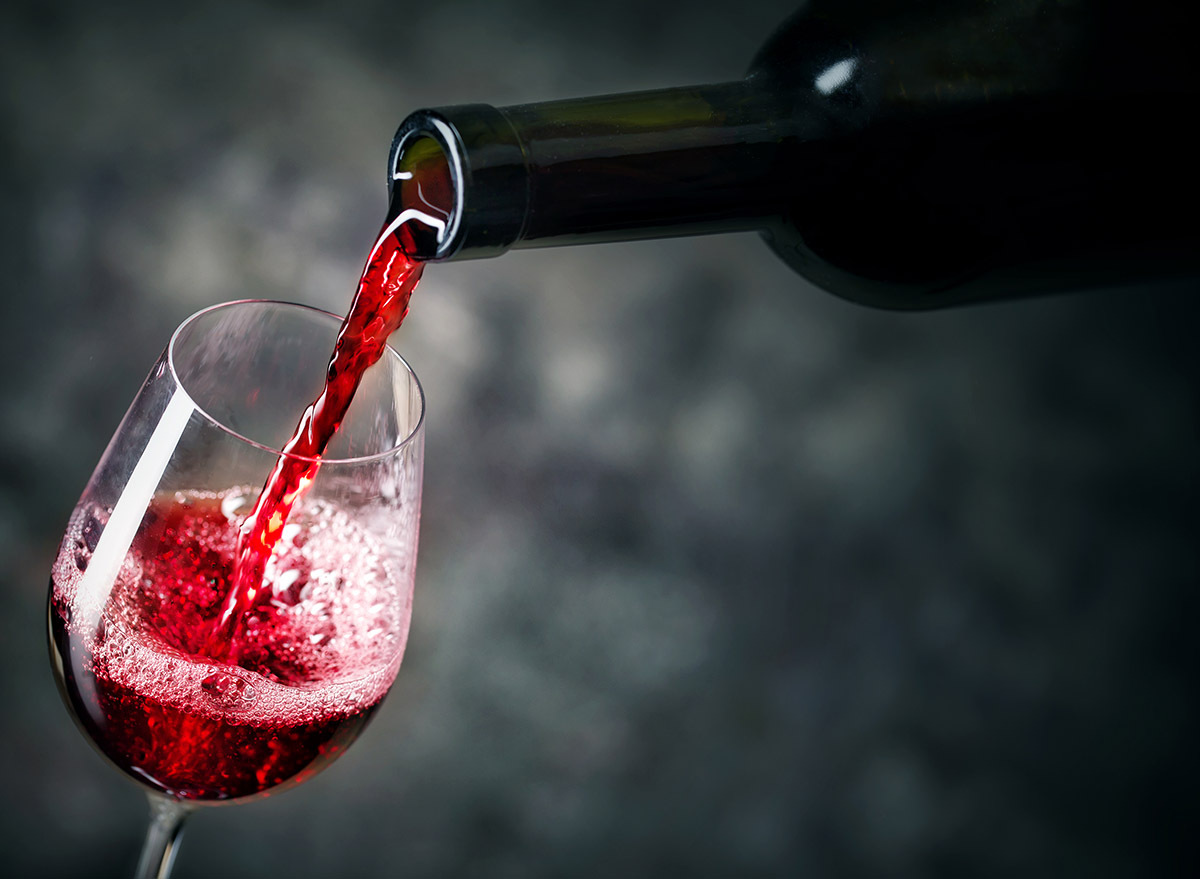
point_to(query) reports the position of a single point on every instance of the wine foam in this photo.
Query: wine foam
(337, 620)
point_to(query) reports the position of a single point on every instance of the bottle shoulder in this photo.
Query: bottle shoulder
(888, 56)
(928, 157)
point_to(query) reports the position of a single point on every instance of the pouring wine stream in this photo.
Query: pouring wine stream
(379, 307)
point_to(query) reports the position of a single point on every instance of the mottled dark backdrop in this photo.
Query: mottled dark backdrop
(719, 575)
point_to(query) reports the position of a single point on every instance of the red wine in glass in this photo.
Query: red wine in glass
(195, 703)
(215, 645)
(316, 659)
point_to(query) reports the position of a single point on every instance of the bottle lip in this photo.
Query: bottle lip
(489, 176)
(426, 124)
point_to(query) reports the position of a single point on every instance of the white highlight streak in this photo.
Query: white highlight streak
(411, 214)
(127, 515)
(836, 75)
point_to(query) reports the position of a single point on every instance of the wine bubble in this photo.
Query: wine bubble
(233, 505)
(228, 690)
(288, 586)
(92, 529)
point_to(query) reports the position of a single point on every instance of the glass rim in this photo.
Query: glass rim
(398, 446)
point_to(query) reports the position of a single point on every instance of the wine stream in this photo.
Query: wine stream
(379, 307)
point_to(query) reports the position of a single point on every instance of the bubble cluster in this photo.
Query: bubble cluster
(326, 642)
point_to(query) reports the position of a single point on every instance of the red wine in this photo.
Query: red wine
(378, 309)
(316, 655)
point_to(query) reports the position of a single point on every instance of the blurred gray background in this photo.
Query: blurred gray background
(719, 576)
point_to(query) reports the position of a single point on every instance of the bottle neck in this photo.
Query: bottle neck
(479, 180)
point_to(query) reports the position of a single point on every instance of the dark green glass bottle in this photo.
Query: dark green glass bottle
(903, 155)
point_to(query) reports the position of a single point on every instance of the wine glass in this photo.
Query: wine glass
(145, 565)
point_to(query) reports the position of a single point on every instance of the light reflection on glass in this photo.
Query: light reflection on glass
(835, 75)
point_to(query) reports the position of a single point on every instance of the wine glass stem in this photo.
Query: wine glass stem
(162, 839)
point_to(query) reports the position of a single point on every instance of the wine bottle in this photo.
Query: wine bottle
(903, 155)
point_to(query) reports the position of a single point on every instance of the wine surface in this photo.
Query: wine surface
(316, 655)
(379, 307)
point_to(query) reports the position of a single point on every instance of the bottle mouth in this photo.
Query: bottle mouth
(425, 183)
(458, 180)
